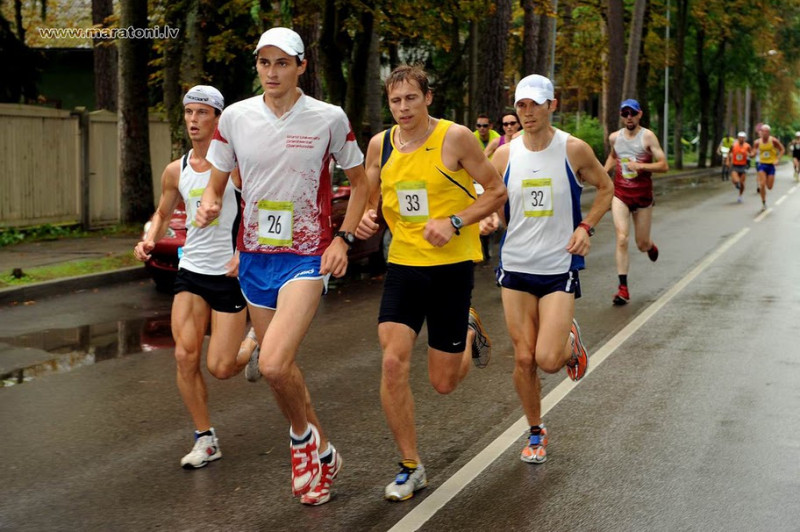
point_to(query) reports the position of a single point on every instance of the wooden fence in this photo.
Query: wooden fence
(62, 167)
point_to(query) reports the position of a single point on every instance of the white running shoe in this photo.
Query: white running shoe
(411, 478)
(205, 450)
(251, 371)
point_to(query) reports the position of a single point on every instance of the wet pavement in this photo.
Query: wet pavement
(686, 421)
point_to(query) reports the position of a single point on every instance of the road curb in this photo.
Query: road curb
(70, 284)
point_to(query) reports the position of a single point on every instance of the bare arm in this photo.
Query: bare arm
(611, 160)
(458, 151)
(659, 164)
(491, 147)
(211, 202)
(499, 162)
(170, 196)
(589, 170)
(781, 149)
(368, 225)
(334, 259)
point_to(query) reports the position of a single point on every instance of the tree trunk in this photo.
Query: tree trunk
(543, 42)
(308, 29)
(472, 82)
(616, 43)
(492, 57)
(374, 85)
(18, 20)
(629, 89)
(174, 17)
(529, 37)
(677, 85)
(704, 88)
(104, 53)
(331, 57)
(357, 77)
(192, 70)
(134, 144)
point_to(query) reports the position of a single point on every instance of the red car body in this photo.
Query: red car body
(163, 263)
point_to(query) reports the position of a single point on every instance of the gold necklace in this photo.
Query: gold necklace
(400, 136)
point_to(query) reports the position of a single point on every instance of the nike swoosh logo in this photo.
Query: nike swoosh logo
(429, 149)
(534, 171)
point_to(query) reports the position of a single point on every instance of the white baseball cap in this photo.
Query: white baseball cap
(205, 94)
(283, 38)
(534, 87)
(742, 134)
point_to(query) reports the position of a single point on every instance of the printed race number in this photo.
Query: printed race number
(412, 198)
(275, 221)
(537, 197)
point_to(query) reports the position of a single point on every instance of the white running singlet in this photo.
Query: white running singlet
(207, 250)
(284, 164)
(543, 209)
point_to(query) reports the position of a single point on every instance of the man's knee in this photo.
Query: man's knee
(187, 359)
(444, 383)
(394, 369)
(549, 360)
(221, 369)
(643, 245)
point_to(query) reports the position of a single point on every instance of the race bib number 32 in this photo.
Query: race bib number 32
(412, 197)
(537, 197)
(275, 223)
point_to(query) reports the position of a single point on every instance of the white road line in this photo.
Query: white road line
(417, 517)
(781, 199)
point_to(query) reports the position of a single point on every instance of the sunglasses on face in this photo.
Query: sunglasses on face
(626, 113)
(481, 125)
(506, 124)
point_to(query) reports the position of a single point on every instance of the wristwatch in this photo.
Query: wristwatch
(457, 222)
(588, 228)
(349, 238)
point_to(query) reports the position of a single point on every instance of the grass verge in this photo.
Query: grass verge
(68, 269)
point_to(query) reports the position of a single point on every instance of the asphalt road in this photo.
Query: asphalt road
(687, 420)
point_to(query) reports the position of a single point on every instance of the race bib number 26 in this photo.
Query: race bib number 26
(275, 220)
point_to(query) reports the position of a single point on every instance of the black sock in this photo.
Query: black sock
(204, 433)
(327, 456)
(536, 430)
(623, 280)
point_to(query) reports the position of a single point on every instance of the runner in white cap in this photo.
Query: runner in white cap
(205, 287)
(544, 247)
(283, 142)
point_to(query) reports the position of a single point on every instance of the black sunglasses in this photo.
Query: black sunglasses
(510, 123)
(481, 125)
(626, 113)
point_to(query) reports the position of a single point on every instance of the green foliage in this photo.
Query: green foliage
(587, 128)
(9, 237)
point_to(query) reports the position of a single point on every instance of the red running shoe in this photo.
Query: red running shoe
(652, 253)
(622, 296)
(306, 470)
(321, 493)
(576, 367)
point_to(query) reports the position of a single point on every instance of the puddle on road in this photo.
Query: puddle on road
(62, 350)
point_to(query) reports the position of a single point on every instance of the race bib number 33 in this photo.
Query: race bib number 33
(412, 198)
(537, 197)
(275, 220)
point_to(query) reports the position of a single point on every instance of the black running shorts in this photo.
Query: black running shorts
(439, 294)
(222, 293)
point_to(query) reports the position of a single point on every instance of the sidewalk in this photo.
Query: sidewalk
(53, 252)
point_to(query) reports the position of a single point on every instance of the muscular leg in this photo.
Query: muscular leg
(642, 221)
(283, 330)
(762, 189)
(522, 320)
(621, 215)
(397, 341)
(770, 181)
(190, 314)
(553, 348)
(224, 358)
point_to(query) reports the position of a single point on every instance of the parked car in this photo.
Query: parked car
(163, 263)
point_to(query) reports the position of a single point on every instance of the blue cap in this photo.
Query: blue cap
(632, 104)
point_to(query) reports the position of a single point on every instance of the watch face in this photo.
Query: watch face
(457, 222)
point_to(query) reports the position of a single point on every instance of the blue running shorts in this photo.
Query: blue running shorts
(262, 275)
